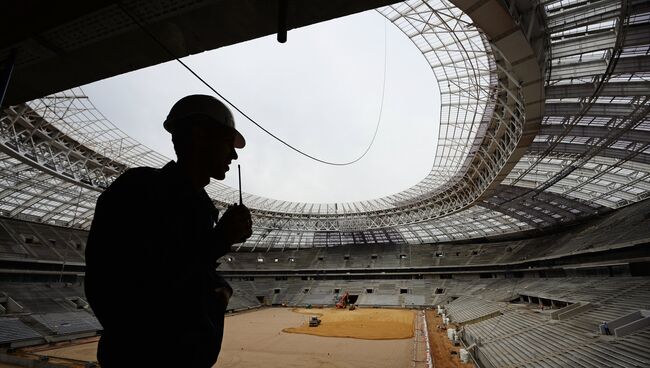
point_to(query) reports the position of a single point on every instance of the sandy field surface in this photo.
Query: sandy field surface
(371, 324)
(255, 340)
(85, 350)
(6, 365)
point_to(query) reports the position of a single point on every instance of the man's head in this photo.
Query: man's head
(204, 134)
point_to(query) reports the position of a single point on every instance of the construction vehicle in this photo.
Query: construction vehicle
(343, 301)
(314, 321)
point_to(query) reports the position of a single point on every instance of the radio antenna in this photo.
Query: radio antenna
(239, 171)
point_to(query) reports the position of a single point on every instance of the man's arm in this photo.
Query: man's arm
(234, 227)
(115, 251)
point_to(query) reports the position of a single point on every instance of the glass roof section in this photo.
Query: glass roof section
(591, 152)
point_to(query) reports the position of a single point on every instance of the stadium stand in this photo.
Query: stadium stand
(12, 330)
(44, 312)
(525, 335)
(68, 322)
(467, 309)
(621, 229)
(29, 240)
(271, 282)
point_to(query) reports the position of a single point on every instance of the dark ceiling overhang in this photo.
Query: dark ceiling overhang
(64, 44)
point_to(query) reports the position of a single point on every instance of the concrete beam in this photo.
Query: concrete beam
(58, 50)
(625, 89)
(580, 149)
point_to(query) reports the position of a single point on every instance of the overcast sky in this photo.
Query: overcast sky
(320, 91)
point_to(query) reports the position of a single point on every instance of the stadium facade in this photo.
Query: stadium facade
(537, 192)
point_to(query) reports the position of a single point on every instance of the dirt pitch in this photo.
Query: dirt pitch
(255, 340)
(362, 323)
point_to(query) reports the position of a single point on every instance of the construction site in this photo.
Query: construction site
(522, 239)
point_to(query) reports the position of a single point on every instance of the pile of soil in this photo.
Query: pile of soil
(369, 324)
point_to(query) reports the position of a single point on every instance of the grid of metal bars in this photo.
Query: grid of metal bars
(594, 143)
(592, 152)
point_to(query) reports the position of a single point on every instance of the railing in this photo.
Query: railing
(421, 352)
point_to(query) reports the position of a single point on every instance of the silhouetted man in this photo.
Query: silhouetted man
(151, 256)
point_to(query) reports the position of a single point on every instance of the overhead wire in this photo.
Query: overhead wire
(299, 151)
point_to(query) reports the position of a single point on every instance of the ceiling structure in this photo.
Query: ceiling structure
(544, 116)
(70, 43)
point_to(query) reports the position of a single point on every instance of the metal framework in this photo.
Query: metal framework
(593, 145)
(544, 120)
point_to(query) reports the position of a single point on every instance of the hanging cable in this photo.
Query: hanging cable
(170, 53)
(72, 223)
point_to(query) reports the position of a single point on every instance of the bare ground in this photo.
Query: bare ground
(362, 323)
(255, 339)
(441, 346)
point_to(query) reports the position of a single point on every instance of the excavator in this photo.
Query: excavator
(343, 301)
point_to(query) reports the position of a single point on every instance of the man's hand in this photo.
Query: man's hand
(235, 225)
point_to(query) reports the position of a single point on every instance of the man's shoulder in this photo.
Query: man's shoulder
(141, 183)
(138, 175)
(135, 180)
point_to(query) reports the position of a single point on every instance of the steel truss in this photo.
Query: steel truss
(588, 153)
(594, 145)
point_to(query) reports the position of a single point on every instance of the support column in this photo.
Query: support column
(6, 75)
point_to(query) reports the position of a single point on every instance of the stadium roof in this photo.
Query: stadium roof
(544, 121)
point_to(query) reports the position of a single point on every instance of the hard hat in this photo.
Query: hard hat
(204, 105)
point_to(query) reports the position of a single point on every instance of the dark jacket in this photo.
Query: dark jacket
(151, 271)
